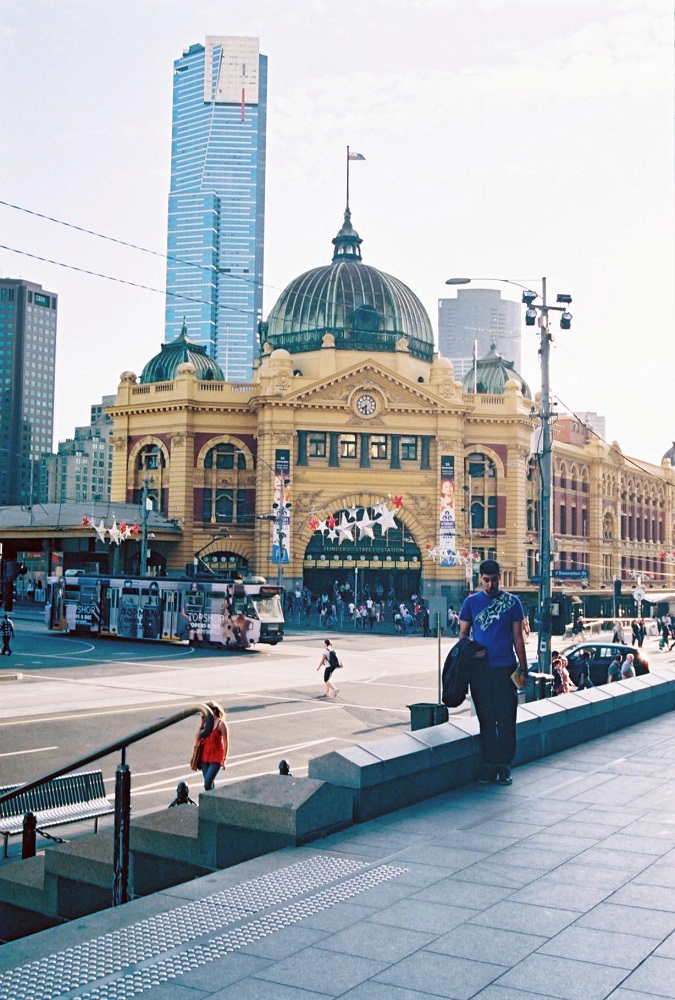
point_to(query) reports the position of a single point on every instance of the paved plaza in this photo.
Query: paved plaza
(560, 886)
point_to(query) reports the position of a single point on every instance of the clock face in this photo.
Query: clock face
(366, 405)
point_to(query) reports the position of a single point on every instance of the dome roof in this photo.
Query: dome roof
(163, 367)
(669, 455)
(492, 373)
(364, 309)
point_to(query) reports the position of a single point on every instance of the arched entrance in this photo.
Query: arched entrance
(372, 561)
(222, 562)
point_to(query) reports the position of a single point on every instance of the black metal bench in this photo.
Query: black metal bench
(67, 799)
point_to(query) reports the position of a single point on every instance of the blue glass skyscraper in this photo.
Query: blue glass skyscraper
(217, 200)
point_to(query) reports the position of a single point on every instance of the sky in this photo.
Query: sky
(503, 138)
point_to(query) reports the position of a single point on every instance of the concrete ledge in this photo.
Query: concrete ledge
(386, 775)
(258, 815)
(80, 874)
(166, 850)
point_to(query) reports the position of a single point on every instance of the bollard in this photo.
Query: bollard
(284, 767)
(182, 796)
(28, 842)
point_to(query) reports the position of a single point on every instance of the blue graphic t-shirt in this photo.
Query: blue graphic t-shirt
(491, 620)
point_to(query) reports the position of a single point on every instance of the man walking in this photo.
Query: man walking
(7, 632)
(495, 620)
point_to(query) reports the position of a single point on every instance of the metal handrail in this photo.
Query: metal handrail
(122, 791)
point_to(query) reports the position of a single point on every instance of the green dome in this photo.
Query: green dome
(162, 368)
(363, 308)
(492, 373)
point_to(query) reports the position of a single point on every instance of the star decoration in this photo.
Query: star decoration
(100, 530)
(134, 530)
(353, 511)
(313, 522)
(86, 522)
(432, 553)
(345, 529)
(331, 522)
(397, 502)
(379, 508)
(332, 534)
(322, 527)
(386, 519)
(365, 526)
(115, 533)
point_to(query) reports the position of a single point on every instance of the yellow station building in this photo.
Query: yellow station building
(354, 420)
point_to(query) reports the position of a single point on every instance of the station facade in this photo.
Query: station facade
(355, 456)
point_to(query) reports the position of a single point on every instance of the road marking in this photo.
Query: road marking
(21, 753)
(154, 787)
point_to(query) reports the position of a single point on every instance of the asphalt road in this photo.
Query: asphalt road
(76, 695)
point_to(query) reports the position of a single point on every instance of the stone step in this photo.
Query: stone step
(166, 850)
(27, 905)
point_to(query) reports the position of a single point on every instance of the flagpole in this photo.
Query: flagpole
(347, 176)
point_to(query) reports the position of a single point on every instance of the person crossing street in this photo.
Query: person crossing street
(330, 661)
(7, 632)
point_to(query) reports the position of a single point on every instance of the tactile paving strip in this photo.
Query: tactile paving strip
(125, 963)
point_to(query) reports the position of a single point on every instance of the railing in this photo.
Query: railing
(120, 887)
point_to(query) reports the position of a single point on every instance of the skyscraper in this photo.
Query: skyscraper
(27, 352)
(478, 314)
(217, 199)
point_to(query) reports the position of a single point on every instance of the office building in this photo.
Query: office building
(217, 200)
(81, 469)
(478, 315)
(28, 315)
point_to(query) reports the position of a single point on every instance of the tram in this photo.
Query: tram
(233, 613)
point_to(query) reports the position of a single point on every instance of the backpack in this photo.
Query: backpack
(333, 660)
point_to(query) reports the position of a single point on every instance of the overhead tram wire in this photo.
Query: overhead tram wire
(135, 246)
(121, 281)
(626, 458)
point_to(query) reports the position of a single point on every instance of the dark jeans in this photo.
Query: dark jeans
(496, 699)
(5, 644)
(210, 771)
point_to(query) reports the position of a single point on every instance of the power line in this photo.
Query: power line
(121, 281)
(612, 448)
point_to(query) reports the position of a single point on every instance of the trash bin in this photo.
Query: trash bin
(538, 686)
(424, 714)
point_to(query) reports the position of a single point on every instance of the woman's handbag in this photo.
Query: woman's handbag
(196, 761)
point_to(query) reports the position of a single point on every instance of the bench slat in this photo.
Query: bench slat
(66, 799)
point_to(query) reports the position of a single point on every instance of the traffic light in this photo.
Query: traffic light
(617, 587)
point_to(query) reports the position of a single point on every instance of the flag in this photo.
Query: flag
(356, 156)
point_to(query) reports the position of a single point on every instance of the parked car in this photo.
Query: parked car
(602, 654)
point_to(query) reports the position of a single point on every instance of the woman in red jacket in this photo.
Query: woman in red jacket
(214, 748)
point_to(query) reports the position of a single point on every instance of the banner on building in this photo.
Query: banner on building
(281, 526)
(446, 516)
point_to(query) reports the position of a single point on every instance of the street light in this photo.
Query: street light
(540, 312)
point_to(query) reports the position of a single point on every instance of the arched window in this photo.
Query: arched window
(225, 500)
(608, 526)
(150, 457)
(224, 456)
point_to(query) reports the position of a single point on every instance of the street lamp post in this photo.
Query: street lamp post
(540, 313)
(144, 526)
